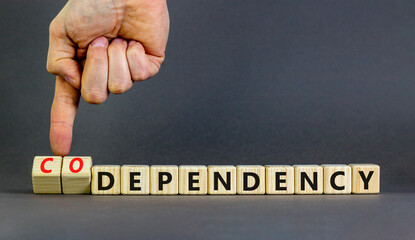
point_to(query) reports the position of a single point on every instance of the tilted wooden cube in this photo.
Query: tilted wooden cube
(164, 179)
(192, 179)
(279, 179)
(76, 175)
(250, 179)
(106, 180)
(365, 178)
(46, 174)
(135, 179)
(308, 179)
(337, 179)
(221, 179)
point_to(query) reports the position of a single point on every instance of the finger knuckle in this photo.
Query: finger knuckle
(94, 96)
(139, 75)
(134, 55)
(97, 60)
(119, 87)
(50, 67)
(154, 71)
(65, 99)
(53, 27)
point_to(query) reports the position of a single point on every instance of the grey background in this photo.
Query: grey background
(244, 82)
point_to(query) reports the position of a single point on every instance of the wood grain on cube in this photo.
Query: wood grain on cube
(279, 179)
(135, 179)
(164, 179)
(76, 175)
(365, 178)
(106, 180)
(308, 179)
(250, 179)
(221, 179)
(192, 179)
(337, 179)
(46, 174)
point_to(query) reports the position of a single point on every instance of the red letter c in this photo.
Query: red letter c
(42, 165)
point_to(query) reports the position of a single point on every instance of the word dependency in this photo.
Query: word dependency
(76, 175)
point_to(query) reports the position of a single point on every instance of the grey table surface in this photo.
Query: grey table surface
(244, 82)
(384, 216)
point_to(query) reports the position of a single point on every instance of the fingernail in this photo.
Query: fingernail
(132, 42)
(99, 42)
(117, 40)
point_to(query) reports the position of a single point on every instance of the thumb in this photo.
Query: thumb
(62, 115)
(61, 55)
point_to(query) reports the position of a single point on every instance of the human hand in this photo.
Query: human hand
(79, 34)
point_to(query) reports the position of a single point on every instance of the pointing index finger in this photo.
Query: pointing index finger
(64, 107)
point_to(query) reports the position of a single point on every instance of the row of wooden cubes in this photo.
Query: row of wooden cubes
(76, 175)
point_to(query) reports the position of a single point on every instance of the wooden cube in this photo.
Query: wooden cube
(250, 179)
(308, 179)
(337, 179)
(192, 179)
(164, 179)
(365, 178)
(279, 179)
(76, 175)
(105, 180)
(135, 179)
(46, 174)
(221, 179)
